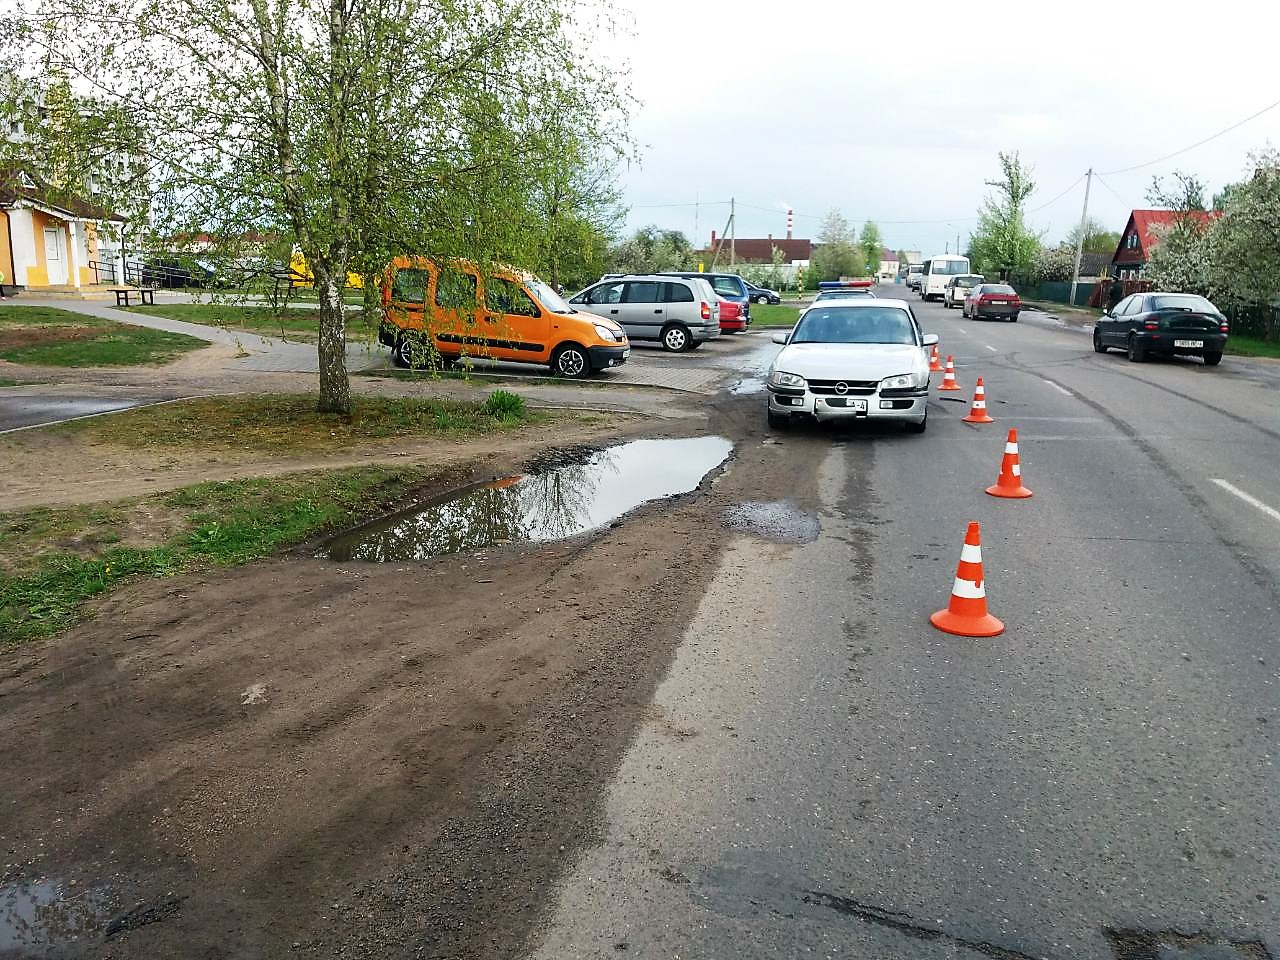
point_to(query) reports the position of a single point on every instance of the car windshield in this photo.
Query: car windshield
(547, 296)
(837, 324)
(1182, 301)
(967, 281)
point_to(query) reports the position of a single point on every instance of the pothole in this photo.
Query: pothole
(777, 520)
(558, 499)
(48, 913)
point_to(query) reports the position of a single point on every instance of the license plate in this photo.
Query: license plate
(1188, 343)
(1000, 303)
(849, 403)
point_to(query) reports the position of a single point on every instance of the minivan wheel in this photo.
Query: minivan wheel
(1137, 352)
(571, 362)
(676, 338)
(408, 351)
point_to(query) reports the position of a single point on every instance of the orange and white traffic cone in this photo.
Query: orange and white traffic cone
(978, 412)
(949, 376)
(935, 362)
(1009, 483)
(966, 615)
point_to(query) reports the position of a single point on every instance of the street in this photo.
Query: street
(718, 726)
(827, 775)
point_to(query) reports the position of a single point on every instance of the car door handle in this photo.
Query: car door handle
(659, 310)
(613, 311)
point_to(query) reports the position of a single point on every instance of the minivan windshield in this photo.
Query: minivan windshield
(945, 268)
(854, 325)
(546, 295)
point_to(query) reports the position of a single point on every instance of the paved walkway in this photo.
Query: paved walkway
(717, 362)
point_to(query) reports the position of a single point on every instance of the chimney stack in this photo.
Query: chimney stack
(789, 223)
(713, 239)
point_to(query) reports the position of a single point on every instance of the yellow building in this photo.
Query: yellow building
(48, 244)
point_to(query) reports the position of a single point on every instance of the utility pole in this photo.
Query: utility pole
(733, 234)
(1084, 216)
(697, 238)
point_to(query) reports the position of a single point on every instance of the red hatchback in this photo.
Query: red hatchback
(731, 318)
(997, 301)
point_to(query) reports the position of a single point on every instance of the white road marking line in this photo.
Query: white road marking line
(1271, 512)
(991, 348)
(962, 330)
(1061, 389)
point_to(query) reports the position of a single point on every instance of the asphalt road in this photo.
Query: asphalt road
(20, 409)
(827, 775)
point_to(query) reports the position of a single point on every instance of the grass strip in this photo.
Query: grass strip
(774, 315)
(51, 337)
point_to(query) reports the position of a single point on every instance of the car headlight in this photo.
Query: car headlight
(604, 333)
(780, 379)
(903, 381)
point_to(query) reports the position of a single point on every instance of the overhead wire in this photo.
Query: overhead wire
(1198, 143)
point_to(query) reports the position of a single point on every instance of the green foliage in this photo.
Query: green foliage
(1002, 244)
(837, 255)
(872, 245)
(1054, 263)
(219, 524)
(1186, 193)
(504, 405)
(651, 250)
(1096, 238)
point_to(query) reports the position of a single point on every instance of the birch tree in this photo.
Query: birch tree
(358, 129)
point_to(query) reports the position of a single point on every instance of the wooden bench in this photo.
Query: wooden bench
(146, 296)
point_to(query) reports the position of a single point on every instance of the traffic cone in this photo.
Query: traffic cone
(1009, 483)
(935, 362)
(978, 412)
(949, 376)
(966, 615)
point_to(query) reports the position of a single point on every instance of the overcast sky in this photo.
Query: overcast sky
(895, 112)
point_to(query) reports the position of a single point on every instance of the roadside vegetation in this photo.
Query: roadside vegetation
(774, 315)
(49, 337)
(290, 423)
(54, 560)
(1243, 345)
(292, 323)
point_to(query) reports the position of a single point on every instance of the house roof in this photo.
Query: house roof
(1094, 264)
(761, 249)
(21, 186)
(1143, 220)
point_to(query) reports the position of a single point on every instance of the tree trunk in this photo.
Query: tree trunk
(335, 387)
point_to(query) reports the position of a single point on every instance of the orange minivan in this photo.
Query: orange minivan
(456, 311)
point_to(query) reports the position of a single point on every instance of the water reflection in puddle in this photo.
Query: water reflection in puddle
(550, 505)
(46, 913)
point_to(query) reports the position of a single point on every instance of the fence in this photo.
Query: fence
(1059, 291)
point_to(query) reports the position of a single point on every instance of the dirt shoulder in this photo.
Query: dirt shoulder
(363, 760)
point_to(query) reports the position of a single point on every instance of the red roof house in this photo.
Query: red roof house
(1139, 239)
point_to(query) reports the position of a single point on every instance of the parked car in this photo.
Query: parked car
(678, 312)
(958, 288)
(915, 273)
(1163, 324)
(992, 301)
(728, 285)
(171, 273)
(852, 359)
(492, 315)
(730, 316)
(762, 294)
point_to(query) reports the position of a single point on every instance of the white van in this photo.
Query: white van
(937, 271)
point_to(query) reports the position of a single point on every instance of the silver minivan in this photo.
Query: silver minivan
(678, 312)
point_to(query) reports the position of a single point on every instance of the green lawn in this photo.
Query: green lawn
(295, 323)
(47, 336)
(1246, 346)
(774, 315)
(52, 561)
(289, 423)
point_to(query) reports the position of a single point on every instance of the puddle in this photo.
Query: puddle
(552, 504)
(774, 520)
(748, 386)
(47, 913)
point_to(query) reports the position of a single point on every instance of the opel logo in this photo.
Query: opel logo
(842, 388)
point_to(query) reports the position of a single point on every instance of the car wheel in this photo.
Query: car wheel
(1098, 345)
(1137, 352)
(1014, 318)
(1212, 359)
(570, 362)
(779, 421)
(676, 338)
(921, 426)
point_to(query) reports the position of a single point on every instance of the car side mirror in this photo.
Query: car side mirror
(781, 338)
(930, 339)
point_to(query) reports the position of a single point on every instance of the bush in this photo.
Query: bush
(504, 405)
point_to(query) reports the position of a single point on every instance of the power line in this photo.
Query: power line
(1074, 184)
(1113, 193)
(1198, 143)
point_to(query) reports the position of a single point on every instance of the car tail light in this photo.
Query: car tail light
(1151, 324)
(1223, 326)
(706, 310)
